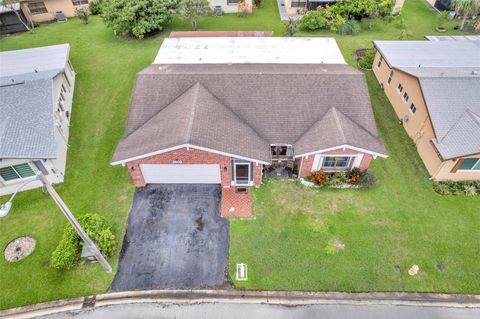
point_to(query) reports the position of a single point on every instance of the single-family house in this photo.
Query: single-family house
(231, 111)
(36, 90)
(434, 88)
(46, 10)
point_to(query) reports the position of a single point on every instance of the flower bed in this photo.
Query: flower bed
(468, 188)
(353, 178)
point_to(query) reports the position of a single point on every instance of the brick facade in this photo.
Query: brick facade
(306, 166)
(242, 203)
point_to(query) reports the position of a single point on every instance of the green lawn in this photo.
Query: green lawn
(401, 221)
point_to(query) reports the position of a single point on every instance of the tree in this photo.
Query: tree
(192, 10)
(466, 8)
(137, 17)
(10, 4)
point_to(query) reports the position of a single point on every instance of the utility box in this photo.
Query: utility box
(241, 274)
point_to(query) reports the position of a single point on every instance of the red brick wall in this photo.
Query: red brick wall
(191, 156)
(308, 162)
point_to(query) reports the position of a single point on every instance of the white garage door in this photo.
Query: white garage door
(181, 173)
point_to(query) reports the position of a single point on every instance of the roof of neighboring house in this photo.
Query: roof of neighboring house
(25, 61)
(448, 72)
(216, 50)
(211, 34)
(241, 109)
(453, 37)
(6, 9)
(26, 108)
(424, 54)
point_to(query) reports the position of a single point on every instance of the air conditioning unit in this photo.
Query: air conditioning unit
(60, 16)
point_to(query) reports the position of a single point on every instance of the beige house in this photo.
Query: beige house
(434, 87)
(36, 89)
(44, 10)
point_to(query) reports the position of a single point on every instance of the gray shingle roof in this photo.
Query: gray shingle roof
(26, 106)
(430, 53)
(242, 108)
(27, 116)
(454, 108)
(448, 71)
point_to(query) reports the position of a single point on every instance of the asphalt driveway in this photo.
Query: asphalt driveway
(175, 239)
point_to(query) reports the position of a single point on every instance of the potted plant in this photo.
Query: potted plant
(442, 20)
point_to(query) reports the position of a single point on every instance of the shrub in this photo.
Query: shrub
(351, 27)
(137, 17)
(319, 177)
(291, 27)
(354, 175)
(468, 188)
(366, 61)
(95, 7)
(337, 179)
(82, 13)
(367, 179)
(67, 253)
(313, 20)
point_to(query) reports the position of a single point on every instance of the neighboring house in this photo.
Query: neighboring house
(295, 7)
(36, 90)
(9, 22)
(230, 111)
(434, 87)
(45, 10)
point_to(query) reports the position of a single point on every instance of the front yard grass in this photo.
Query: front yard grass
(400, 221)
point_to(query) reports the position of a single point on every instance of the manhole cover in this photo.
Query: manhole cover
(19, 248)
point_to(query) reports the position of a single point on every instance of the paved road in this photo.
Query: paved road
(265, 311)
(175, 239)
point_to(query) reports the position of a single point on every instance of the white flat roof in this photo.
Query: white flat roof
(249, 50)
(48, 58)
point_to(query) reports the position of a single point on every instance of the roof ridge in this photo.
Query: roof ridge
(467, 112)
(157, 113)
(196, 87)
(313, 124)
(339, 125)
(234, 114)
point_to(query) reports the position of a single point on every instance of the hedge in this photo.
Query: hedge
(67, 254)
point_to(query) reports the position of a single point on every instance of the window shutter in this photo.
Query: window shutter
(457, 166)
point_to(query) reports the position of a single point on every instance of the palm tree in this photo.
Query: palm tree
(466, 8)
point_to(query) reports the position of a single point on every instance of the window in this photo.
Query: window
(400, 88)
(14, 172)
(232, 1)
(281, 151)
(298, 4)
(390, 77)
(37, 7)
(470, 164)
(405, 97)
(79, 2)
(413, 109)
(380, 61)
(242, 172)
(336, 162)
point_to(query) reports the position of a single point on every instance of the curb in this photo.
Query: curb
(286, 298)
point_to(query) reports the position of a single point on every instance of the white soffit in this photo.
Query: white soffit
(219, 50)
